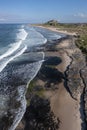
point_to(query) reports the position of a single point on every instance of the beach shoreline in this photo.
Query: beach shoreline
(54, 29)
(63, 104)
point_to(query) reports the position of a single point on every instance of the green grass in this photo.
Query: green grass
(33, 91)
(31, 86)
(40, 93)
(82, 43)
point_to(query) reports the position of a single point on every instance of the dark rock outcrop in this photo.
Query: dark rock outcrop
(74, 79)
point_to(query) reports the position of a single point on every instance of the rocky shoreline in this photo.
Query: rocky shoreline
(76, 73)
(74, 76)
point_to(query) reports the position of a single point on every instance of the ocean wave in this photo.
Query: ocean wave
(44, 38)
(4, 63)
(54, 36)
(35, 38)
(50, 35)
(22, 34)
(14, 46)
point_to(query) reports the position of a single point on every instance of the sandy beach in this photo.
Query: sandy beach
(58, 30)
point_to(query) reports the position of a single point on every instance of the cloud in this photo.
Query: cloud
(2, 19)
(80, 15)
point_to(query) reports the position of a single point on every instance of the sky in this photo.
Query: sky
(40, 11)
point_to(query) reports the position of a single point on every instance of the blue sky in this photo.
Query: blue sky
(33, 11)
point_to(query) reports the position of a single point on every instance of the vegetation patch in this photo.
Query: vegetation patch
(82, 43)
(31, 86)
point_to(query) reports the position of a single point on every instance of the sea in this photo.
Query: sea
(20, 60)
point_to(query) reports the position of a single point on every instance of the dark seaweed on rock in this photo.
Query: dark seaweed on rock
(38, 115)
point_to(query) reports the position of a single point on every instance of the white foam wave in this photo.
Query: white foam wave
(22, 34)
(19, 114)
(35, 38)
(22, 110)
(2, 66)
(44, 39)
(13, 47)
(54, 36)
